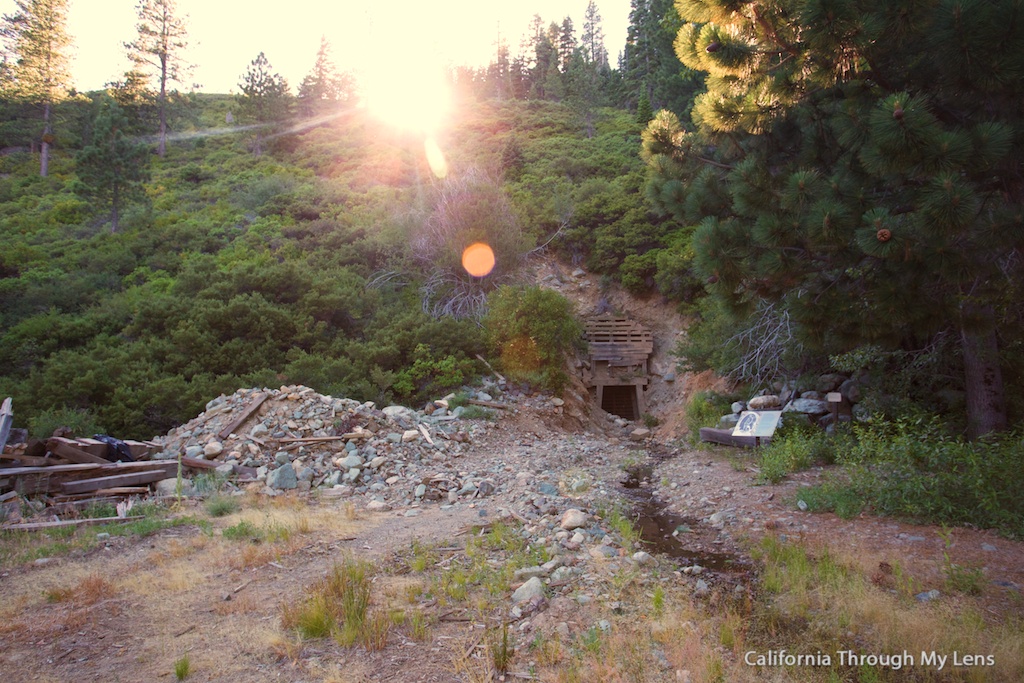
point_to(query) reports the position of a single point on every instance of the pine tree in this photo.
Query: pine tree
(323, 88)
(649, 62)
(857, 161)
(158, 52)
(37, 41)
(567, 44)
(112, 167)
(592, 41)
(264, 99)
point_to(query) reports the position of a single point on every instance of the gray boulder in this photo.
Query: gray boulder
(765, 402)
(807, 406)
(283, 477)
(851, 390)
(533, 589)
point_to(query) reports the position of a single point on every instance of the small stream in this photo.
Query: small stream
(668, 534)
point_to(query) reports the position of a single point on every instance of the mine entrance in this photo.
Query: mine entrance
(617, 367)
(621, 401)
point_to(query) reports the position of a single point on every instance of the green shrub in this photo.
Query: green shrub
(798, 448)
(532, 329)
(243, 531)
(705, 409)
(221, 505)
(914, 469)
(80, 421)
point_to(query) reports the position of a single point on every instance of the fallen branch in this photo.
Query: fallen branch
(487, 404)
(496, 373)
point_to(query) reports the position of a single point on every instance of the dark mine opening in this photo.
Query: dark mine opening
(620, 401)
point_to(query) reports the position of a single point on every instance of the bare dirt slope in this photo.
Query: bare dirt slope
(129, 608)
(668, 388)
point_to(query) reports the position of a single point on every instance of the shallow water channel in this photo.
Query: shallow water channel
(669, 534)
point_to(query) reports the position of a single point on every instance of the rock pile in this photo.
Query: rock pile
(295, 438)
(810, 403)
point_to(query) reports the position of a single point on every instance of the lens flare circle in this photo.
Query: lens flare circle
(478, 259)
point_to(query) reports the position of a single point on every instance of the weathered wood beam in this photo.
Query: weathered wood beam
(129, 479)
(246, 414)
(6, 420)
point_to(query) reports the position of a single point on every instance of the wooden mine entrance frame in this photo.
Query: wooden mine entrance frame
(619, 350)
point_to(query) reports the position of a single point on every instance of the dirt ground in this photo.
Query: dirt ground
(128, 608)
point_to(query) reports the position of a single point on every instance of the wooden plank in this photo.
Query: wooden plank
(197, 463)
(65, 449)
(36, 526)
(6, 420)
(29, 459)
(101, 495)
(129, 479)
(725, 437)
(87, 468)
(141, 449)
(487, 404)
(313, 439)
(92, 446)
(246, 414)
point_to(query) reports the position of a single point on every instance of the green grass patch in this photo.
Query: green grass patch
(913, 469)
(18, 547)
(221, 506)
(243, 531)
(478, 413)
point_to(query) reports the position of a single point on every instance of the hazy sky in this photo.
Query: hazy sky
(225, 35)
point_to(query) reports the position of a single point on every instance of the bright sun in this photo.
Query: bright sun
(408, 95)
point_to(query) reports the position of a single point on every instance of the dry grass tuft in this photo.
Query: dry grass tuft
(90, 590)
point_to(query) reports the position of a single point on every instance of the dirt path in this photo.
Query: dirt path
(130, 608)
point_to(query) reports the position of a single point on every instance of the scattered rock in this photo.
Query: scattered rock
(169, 487)
(642, 558)
(283, 478)
(765, 402)
(807, 406)
(574, 518)
(532, 589)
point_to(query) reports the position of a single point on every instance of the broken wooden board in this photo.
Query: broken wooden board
(127, 479)
(198, 463)
(6, 420)
(487, 404)
(36, 526)
(29, 480)
(240, 420)
(726, 438)
(69, 450)
(347, 436)
(91, 446)
(30, 460)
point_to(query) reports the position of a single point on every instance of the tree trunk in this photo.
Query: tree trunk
(44, 156)
(983, 380)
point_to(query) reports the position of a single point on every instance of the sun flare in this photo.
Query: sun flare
(408, 96)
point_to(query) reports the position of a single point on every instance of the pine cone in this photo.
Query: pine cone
(883, 235)
(714, 46)
(897, 113)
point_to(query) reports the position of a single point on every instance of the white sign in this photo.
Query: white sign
(757, 423)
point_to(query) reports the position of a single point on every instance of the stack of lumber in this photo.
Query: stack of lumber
(72, 467)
